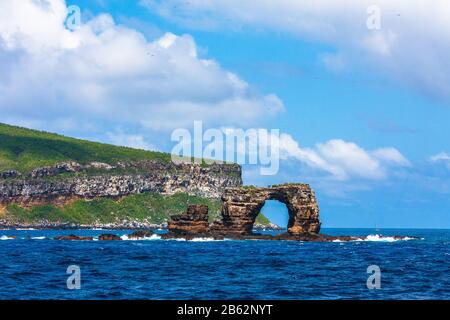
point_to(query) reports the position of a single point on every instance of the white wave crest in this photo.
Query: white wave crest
(203, 239)
(152, 237)
(6, 238)
(199, 239)
(380, 238)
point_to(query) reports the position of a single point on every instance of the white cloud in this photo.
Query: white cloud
(340, 160)
(136, 141)
(411, 46)
(343, 160)
(442, 157)
(391, 155)
(107, 75)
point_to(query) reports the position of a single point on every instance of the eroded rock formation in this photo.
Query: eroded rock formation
(45, 185)
(193, 222)
(242, 205)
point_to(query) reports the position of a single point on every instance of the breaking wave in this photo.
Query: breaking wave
(202, 239)
(152, 237)
(6, 238)
(380, 238)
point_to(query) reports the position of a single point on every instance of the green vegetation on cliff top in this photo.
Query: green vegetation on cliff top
(25, 149)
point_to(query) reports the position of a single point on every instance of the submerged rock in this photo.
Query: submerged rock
(140, 234)
(109, 237)
(74, 237)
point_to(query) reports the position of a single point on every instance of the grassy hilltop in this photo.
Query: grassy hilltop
(24, 149)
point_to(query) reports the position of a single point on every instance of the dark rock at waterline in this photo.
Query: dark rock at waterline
(109, 237)
(209, 235)
(74, 237)
(307, 237)
(140, 234)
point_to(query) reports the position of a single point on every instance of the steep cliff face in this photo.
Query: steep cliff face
(50, 180)
(66, 181)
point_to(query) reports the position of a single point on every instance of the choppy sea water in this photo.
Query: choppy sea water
(34, 267)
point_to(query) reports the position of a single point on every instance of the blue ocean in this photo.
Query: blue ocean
(32, 266)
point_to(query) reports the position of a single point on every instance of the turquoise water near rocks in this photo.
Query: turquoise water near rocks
(34, 267)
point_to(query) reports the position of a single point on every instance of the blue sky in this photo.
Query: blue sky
(373, 106)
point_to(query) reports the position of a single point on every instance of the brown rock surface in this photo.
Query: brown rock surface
(108, 237)
(194, 221)
(242, 205)
(74, 237)
(140, 234)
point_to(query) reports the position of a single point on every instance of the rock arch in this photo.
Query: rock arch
(240, 206)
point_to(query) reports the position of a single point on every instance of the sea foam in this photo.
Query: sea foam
(380, 238)
(152, 237)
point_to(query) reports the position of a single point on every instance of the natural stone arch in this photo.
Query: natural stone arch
(275, 212)
(240, 207)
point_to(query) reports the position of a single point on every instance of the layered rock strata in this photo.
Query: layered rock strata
(240, 208)
(242, 205)
(67, 181)
(193, 222)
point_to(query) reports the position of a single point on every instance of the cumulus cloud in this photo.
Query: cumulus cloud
(411, 46)
(343, 160)
(337, 159)
(106, 74)
(391, 155)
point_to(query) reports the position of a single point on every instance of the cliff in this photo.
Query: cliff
(65, 182)
(136, 194)
(48, 179)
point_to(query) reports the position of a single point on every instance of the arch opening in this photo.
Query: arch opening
(273, 215)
